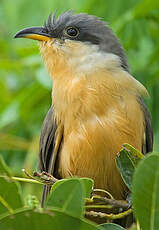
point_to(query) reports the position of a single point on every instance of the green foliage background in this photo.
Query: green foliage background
(25, 87)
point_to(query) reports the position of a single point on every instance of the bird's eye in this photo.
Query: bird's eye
(72, 32)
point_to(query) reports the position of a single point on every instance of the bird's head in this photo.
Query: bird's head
(80, 42)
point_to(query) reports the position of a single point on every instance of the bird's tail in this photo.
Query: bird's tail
(127, 221)
(46, 191)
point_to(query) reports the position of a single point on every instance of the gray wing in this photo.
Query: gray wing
(46, 148)
(47, 141)
(148, 145)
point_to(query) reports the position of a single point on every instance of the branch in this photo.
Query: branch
(115, 203)
(22, 179)
(38, 178)
(108, 216)
(5, 203)
(45, 177)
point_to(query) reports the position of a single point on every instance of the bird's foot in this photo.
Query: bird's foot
(45, 177)
(129, 200)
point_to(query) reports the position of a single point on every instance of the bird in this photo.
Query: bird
(97, 105)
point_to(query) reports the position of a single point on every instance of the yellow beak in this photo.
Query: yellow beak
(35, 33)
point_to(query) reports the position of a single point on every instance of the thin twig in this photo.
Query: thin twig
(98, 206)
(27, 174)
(116, 203)
(104, 191)
(5, 204)
(45, 177)
(108, 216)
(42, 178)
(26, 180)
(22, 179)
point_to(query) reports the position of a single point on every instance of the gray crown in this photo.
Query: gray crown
(91, 29)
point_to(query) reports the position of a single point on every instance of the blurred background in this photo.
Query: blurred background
(25, 87)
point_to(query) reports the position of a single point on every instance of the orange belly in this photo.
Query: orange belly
(89, 150)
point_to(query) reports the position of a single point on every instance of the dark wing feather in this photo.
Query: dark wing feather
(47, 141)
(46, 147)
(148, 145)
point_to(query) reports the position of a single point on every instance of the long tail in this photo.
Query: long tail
(46, 191)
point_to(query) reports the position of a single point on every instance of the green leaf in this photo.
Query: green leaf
(88, 186)
(10, 196)
(125, 166)
(86, 182)
(145, 192)
(134, 153)
(10, 192)
(127, 160)
(112, 227)
(68, 195)
(52, 219)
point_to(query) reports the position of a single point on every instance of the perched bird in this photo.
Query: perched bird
(96, 104)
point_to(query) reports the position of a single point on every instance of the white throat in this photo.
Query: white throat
(87, 57)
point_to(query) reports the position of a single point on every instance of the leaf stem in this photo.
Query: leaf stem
(22, 179)
(6, 205)
(104, 191)
(26, 180)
